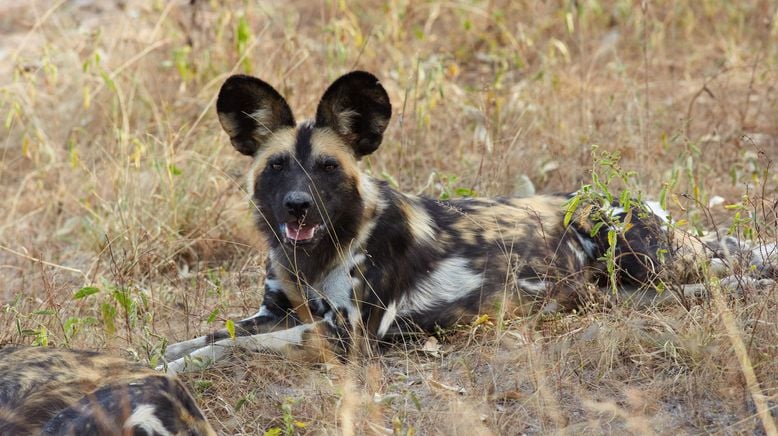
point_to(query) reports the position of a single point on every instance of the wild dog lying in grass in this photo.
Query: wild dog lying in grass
(351, 257)
(65, 392)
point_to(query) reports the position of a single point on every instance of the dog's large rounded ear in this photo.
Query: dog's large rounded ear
(357, 108)
(250, 111)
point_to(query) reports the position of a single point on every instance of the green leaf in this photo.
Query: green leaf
(275, 431)
(596, 229)
(464, 192)
(212, 317)
(242, 34)
(663, 197)
(108, 81)
(624, 200)
(612, 239)
(124, 300)
(416, 401)
(85, 292)
(46, 312)
(41, 337)
(71, 326)
(108, 313)
(572, 205)
(230, 324)
(202, 385)
(174, 170)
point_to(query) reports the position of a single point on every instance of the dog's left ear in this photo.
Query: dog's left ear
(357, 108)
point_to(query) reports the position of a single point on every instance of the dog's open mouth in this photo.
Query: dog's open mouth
(299, 232)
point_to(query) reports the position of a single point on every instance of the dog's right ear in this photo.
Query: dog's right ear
(357, 108)
(250, 111)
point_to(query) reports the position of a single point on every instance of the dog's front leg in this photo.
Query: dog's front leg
(214, 351)
(275, 313)
(319, 340)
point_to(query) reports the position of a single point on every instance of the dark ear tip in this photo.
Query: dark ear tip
(232, 89)
(235, 81)
(358, 78)
(359, 74)
(236, 78)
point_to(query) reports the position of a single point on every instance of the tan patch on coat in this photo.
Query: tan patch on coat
(419, 221)
(516, 221)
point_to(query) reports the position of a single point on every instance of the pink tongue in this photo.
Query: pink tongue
(297, 233)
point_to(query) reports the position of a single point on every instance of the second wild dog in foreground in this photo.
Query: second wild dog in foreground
(67, 392)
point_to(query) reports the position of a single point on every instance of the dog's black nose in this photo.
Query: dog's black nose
(298, 203)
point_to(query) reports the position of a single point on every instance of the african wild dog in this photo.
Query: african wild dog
(66, 392)
(351, 257)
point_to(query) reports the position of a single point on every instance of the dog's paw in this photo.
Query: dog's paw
(196, 360)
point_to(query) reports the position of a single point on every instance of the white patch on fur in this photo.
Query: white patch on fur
(345, 121)
(337, 286)
(368, 191)
(533, 286)
(651, 206)
(228, 124)
(386, 321)
(264, 118)
(452, 280)
(657, 209)
(589, 247)
(263, 311)
(579, 253)
(144, 418)
(273, 341)
(274, 284)
(199, 358)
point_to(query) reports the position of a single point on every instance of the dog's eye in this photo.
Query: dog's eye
(329, 166)
(276, 166)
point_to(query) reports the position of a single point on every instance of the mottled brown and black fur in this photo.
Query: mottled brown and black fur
(67, 392)
(351, 257)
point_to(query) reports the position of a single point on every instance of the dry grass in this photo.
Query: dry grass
(115, 175)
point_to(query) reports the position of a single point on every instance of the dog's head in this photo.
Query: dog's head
(305, 181)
